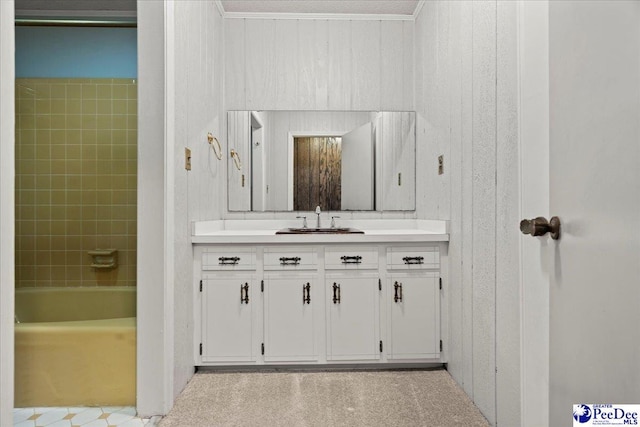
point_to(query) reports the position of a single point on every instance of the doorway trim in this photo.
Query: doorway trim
(290, 152)
(533, 75)
(7, 208)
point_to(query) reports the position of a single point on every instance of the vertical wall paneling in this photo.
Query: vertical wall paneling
(426, 144)
(318, 64)
(7, 203)
(455, 340)
(408, 66)
(508, 387)
(466, 224)
(441, 111)
(395, 132)
(187, 53)
(307, 61)
(239, 167)
(321, 49)
(198, 79)
(235, 67)
(260, 68)
(365, 73)
(466, 91)
(392, 65)
(286, 58)
(484, 205)
(339, 65)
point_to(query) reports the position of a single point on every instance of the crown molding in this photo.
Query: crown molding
(221, 10)
(419, 6)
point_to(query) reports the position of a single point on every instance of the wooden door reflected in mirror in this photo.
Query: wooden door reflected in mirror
(317, 172)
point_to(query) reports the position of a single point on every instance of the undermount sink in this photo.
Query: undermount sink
(334, 230)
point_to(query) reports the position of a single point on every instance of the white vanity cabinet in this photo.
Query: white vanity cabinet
(229, 301)
(290, 304)
(413, 303)
(352, 317)
(316, 303)
(352, 301)
(228, 319)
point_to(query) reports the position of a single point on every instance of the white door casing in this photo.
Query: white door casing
(533, 71)
(7, 209)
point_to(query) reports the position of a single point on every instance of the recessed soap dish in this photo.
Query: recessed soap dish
(104, 259)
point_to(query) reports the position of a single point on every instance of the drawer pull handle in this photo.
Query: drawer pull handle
(413, 260)
(229, 260)
(244, 293)
(357, 259)
(289, 260)
(336, 293)
(397, 292)
(306, 294)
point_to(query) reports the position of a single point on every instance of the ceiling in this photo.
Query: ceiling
(126, 7)
(376, 7)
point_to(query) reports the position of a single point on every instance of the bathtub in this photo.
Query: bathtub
(75, 347)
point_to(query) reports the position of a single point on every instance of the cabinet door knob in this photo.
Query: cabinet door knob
(540, 226)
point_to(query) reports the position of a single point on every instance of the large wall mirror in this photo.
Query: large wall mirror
(338, 160)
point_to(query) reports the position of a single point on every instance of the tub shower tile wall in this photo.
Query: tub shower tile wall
(76, 185)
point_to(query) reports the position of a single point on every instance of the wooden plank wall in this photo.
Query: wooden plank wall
(317, 166)
(318, 64)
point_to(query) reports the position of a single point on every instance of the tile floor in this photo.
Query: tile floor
(76, 417)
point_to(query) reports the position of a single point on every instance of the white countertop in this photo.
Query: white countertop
(264, 232)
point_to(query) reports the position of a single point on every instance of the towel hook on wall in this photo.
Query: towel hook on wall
(236, 159)
(217, 148)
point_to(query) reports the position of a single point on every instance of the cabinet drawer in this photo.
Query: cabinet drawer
(423, 258)
(290, 258)
(350, 257)
(229, 259)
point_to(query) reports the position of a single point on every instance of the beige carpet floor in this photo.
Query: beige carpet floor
(344, 398)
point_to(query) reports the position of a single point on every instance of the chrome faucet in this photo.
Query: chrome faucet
(318, 214)
(304, 221)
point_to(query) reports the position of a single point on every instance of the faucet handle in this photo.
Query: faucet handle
(333, 221)
(304, 221)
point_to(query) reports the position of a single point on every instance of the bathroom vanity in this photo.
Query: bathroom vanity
(320, 298)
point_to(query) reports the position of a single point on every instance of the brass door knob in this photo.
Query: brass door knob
(540, 226)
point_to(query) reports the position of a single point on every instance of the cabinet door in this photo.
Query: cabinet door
(228, 313)
(414, 316)
(288, 315)
(353, 318)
